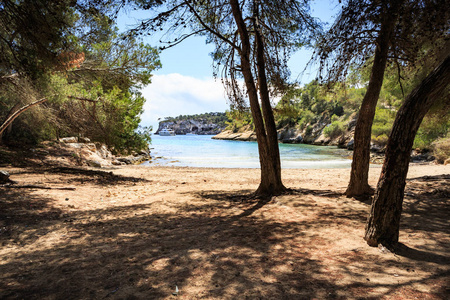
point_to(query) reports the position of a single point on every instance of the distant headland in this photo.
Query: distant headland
(205, 124)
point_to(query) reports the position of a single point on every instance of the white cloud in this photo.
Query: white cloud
(173, 94)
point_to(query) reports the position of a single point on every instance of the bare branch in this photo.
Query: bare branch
(209, 29)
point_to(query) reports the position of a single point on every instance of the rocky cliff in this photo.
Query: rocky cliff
(205, 124)
(311, 135)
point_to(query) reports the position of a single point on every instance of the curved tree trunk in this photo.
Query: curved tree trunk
(268, 154)
(13, 116)
(383, 224)
(359, 185)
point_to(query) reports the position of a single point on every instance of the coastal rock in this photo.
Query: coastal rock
(350, 144)
(321, 140)
(93, 158)
(290, 135)
(69, 140)
(117, 162)
(131, 160)
(103, 151)
(84, 140)
(238, 136)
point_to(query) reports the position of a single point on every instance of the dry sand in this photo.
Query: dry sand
(142, 232)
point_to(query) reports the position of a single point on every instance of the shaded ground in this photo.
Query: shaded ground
(139, 232)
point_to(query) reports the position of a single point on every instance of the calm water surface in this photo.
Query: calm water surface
(202, 151)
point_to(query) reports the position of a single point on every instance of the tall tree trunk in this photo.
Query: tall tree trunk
(274, 184)
(270, 174)
(359, 185)
(383, 224)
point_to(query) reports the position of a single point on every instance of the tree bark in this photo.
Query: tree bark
(359, 185)
(270, 174)
(383, 225)
(272, 182)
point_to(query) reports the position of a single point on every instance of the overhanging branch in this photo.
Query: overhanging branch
(17, 113)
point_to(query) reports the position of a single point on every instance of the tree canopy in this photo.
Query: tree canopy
(89, 73)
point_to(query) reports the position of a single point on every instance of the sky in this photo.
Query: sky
(185, 84)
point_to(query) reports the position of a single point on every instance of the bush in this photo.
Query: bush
(382, 125)
(434, 127)
(335, 129)
(441, 149)
(381, 140)
(306, 117)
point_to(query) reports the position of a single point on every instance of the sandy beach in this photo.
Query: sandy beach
(138, 232)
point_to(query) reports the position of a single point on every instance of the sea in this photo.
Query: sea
(202, 151)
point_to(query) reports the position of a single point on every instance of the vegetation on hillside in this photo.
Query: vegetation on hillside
(302, 107)
(218, 118)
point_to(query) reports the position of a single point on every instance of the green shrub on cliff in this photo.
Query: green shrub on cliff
(335, 129)
(382, 125)
(237, 119)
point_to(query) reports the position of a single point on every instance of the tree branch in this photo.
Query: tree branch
(17, 113)
(212, 31)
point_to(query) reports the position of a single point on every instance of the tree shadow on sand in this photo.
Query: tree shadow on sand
(208, 250)
(82, 175)
(426, 206)
(132, 252)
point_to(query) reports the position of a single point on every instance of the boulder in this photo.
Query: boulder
(93, 158)
(72, 139)
(104, 152)
(321, 140)
(376, 148)
(90, 147)
(124, 160)
(93, 163)
(144, 152)
(116, 162)
(350, 144)
(289, 135)
(84, 140)
(4, 177)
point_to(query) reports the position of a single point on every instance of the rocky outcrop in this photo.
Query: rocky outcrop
(4, 177)
(290, 135)
(313, 134)
(82, 152)
(238, 136)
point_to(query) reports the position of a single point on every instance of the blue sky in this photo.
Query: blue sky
(185, 85)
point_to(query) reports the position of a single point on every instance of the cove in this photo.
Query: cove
(202, 151)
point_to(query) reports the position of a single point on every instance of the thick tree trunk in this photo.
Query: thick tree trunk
(359, 185)
(270, 170)
(274, 184)
(384, 221)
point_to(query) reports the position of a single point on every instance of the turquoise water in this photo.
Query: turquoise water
(202, 151)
